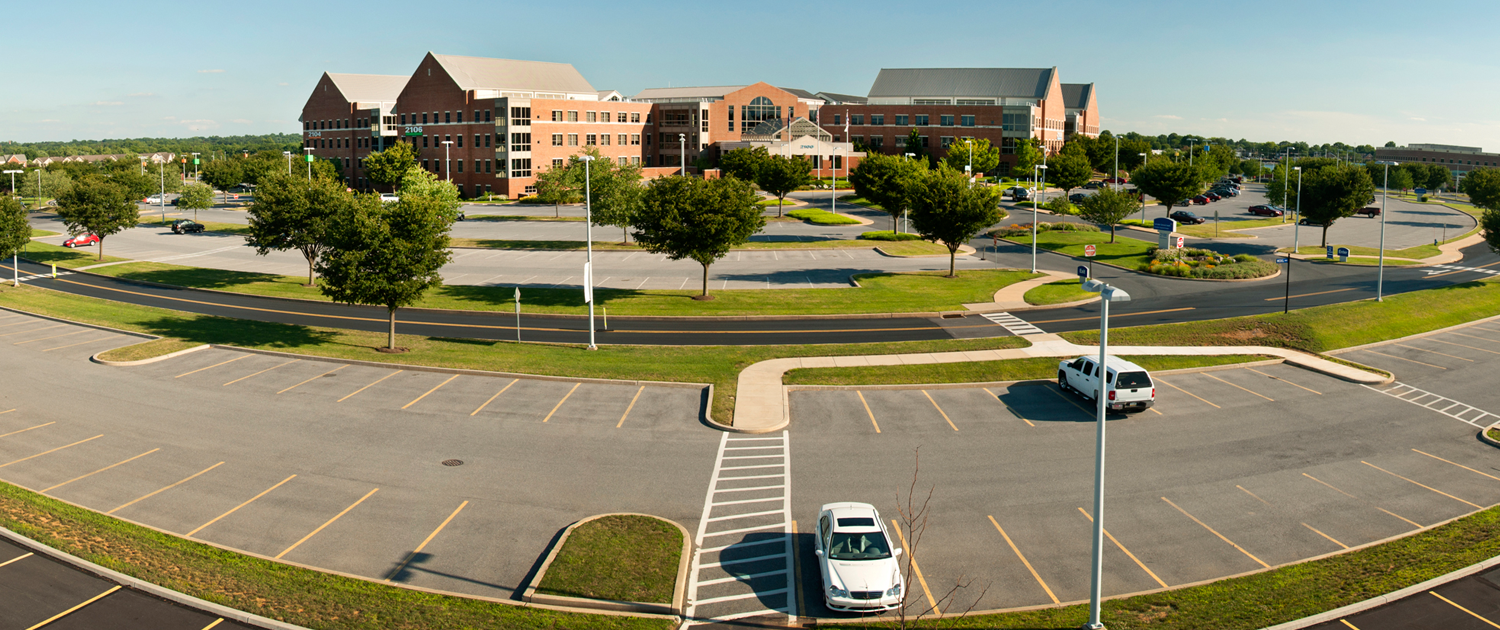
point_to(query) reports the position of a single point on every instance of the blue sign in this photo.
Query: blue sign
(1163, 224)
(1281, 260)
(1420, 191)
(1083, 272)
(1330, 252)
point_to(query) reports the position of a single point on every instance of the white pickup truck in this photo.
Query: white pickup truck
(1128, 386)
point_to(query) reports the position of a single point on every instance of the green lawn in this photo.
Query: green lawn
(1418, 252)
(1206, 230)
(64, 257)
(35, 233)
(1125, 252)
(776, 202)
(147, 350)
(1494, 434)
(618, 246)
(857, 200)
(518, 217)
(1037, 368)
(622, 557)
(822, 217)
(913, 248)
(1058, 292)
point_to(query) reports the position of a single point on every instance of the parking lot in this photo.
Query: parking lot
(454, 482)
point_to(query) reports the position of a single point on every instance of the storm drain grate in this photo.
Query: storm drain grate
(453, 462)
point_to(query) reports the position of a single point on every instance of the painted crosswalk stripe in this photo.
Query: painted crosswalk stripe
(1440, 404)
(1015, 325)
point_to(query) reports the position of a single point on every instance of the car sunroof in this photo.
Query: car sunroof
(857, 522)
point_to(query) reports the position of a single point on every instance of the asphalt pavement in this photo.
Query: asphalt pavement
(1470, 603)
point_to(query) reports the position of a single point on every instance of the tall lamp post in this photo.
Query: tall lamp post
(1385, 191)
(288, 155)
(906, 214)
(308, 151)
(682, 146)
(969, 170)
(12, 174)
(1107, 294)
(15, 266)
(195, 165)
(1298, 225)
(1034, 204)
(588, 231)
(1116, 176)
(1143, 199)
(447, 166)
(833, 191)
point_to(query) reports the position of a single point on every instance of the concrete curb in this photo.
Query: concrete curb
(95, 358)
(1382, 600)
(1155, 275)
(1484, 434)
(679, 588)
(146, 587)
(83, 324)
(963, 250)
(900, 386)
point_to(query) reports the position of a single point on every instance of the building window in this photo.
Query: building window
(424, 166)
(531, 190)
(946, 141)
(557, 140)
(924, 142)
(590, 116)
(460, 141)
(604, 117)
(900, 142)
(520, 141)
(921, 120)
(424, 117)
(624, 160)
(424, 142)
(572, 139)
(624, 139)
(604, 139)
(520, 116)
(877, 119)
(877, 141)
(901, 120)
(648, 161)
(967, 121)
(648, 139)
(460, 117)
(557, 162)
(572, 116)
(460, 165)
(590, 139)
(946, 120)
(486, 141)
(557, 115)
(520, 167)
(637, 160)
(487, 119)
(635, 117)
(857, 119)
(477, 164)
(487, 167)
(760, 109)
(476, 119)
(621, 117)
(635, 139)
(838, 119)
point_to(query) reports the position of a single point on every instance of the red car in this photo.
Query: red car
(1200, 200)
(1116, 180)
(1265, 211)
(1212, 196)
(81, 241)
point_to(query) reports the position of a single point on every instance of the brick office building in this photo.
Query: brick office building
(342, 119)
(1459, 160)
(696, 121)
(1082, 110)
(946, 105)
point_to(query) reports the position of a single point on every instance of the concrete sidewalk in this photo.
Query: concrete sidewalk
(761, 404)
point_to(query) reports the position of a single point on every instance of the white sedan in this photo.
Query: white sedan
(858, 562)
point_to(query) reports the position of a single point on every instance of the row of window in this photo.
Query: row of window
(572, 116)
(602, 139)
(559, 162)
(1010, 122)
(448, 117)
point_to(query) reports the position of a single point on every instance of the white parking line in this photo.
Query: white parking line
(1477, 421)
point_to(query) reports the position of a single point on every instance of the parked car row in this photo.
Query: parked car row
(1267, 211)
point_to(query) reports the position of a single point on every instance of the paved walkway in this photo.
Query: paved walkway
(1013, 297)
(761, 402)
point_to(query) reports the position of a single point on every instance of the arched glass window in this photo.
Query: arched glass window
(760, 109)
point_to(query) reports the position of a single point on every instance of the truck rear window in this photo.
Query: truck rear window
(1133, 380)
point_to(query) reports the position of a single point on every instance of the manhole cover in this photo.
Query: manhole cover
(453, 462)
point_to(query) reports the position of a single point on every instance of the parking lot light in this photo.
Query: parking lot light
(588, 239)
(1034, 204)
(1107, 294)
(1384, 193)
(1298, 224)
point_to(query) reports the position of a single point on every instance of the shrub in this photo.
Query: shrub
(1073, 227)
(887, 235)
(1203, 263)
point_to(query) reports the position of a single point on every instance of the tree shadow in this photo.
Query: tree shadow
(241, 332)
(791, 278)
(202, 278)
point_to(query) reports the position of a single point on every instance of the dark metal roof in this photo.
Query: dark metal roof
(1077, 95)
(799, 93)
(841, 99)
(955, 82)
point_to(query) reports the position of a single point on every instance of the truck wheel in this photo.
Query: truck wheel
(1062, 381)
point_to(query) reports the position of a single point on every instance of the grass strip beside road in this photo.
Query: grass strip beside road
(294, 595)
(35, 233)
(816, 216)
(622, 557)
(1418, 252)
(1060, 292)
(1125, 252)
(478, 243)
(518, 217)
(1494, 434)
(1322, 328)
(65, 257)
(147, 350)
(1038, 368)
(210, 226)
(719, 365)
(878, 293)
(1365, 261)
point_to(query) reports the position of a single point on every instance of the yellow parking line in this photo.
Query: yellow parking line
(1451, 356)
(1406, 359)
(560, 402)
(492, 398)
(27, 428)
(1069, 399)
(1018, 553)
(867, 410)
(215, 623)
(1187, 392)
(45, 490)
(1284, 381)
(1476, 337)
(261, 372)
(797, 570)
(413, 554)
(1007, 407)
(237, 507)
(190, 478)
(1253, 495)
(1138, 562)
(79, 332)
(1237, 386)
(1441, 460)
(81, 343)
(22, 332)
(51, 451)
(16, 559)
(1471, 613)
(1351, 626)
(1216, 533)
(1315, 531)
(29, 321)
(313, 379)
(1474, 505)
(214, 365)
(6, 411)
(632, 406)
(1307, 295)
(911, 557)
(377, 382)
(326, 524)
(75, 608)
(1331, 487)
(439, 385)
(1464, 346)
(940, 409)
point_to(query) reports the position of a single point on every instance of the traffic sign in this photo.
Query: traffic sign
(1163, 224)
(1280, 261)
(1420, 191)
(1083, 272)
(196, 162)
(309, 157)
(1329, 253)
(1088, 250)
(1179, 242)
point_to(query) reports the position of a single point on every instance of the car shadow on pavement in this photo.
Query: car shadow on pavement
(1042, 401)
(795, 277)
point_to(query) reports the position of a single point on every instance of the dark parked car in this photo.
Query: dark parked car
(1200, 200)
(1094, 185)
(184, 226)
(1019, 194)
(1266, 211)
(1370, 211)
(1077, 197)
(1212, 196)
(1184, 216)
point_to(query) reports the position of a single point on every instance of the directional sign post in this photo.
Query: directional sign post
(1083, 273)
(1343, 254)
(1286, 305)
(1329, 252)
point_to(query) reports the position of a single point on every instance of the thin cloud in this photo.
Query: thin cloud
(1418, 119)
(107, 103)
(209, 71)
(283, 84)
(49, 120)
(199, 125)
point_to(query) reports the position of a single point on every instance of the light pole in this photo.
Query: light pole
(1108, 294)
(1298, 225)
(1285, 184)
(1034, 204)
(1117, 183)
(12, 174)
(969, 170)
(15, 266)
(1116, 176)
(447, 167)
(682, 142)
(195, 166)
(161, 171)
(1384, 193)
(588, 231)
(906, 214)
(834, 190)
(309, 151)
(288, 155)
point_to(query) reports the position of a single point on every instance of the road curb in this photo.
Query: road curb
(679, 587)
(138, 335)
(971, 385)
(146, 587)
(1484, 434)
(1376, 602)
(1153, 275)
(95, 358)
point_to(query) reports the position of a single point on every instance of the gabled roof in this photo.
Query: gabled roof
(484, 73)
(957, 82)
(1077, 95)
(605, 95)
(368, 88)
(712, 91)
(799, 93)
(842, 99)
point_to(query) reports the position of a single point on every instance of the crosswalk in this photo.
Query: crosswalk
(39, 276)
(743, 566)
(1436, 269)
(1441, 404)
(1015, 325)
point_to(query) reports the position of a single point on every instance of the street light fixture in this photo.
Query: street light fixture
(588, 239)
(1034, 204)
(1107, 294)
(1298, 225)
(906, 214)
(308, 151)
(969, 170)
(682, 142)
(288, 155)
(1384, 193)
(834, 190)
(447, 166)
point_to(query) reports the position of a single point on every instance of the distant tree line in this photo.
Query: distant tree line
(217, 146)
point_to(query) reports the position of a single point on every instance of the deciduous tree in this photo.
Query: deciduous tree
(1108, 207)
(558, 186)
(615, 190)
(887, 181)
(1028, 155)
(945, 209)
(15, 232)
(744, 163)
(1069, 171)
(196, 196)
(1171, 183)
(699, 219)
(914, 145)
(986, 157)
(387, 168)
(95, 206)
(223, 174)
(781, 174)
(1334, 192)
(1483, 188)
(295, 213)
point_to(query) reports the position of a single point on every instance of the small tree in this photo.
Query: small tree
(15, 232)
(780, 174)
(615, 190)
(887, 180)
(1069, 171)
(295, 213)
(1171, 183)
(391, 166)
(223, 174)
(1335, 192)
(53, 184)
(196, 197)
(95, 206)
(1483, 187)
(420, 184)
(1438, 177)
(558, 186)
(1108, 207)
(986, 157)
(744, 163)
(914, 145)
(1028, 154)
(698, 219)
(1399, 179)
(386, 254)
(944, 209)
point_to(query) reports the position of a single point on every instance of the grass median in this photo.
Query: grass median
(1037, 368)
(878, 293)
(1124, 252)
(621, 557)
(479, 243)
(1060, 292)
(521, 217)
(1417, 253)
(65, 257)
(210, 226)
(294, 595)
(822, 217)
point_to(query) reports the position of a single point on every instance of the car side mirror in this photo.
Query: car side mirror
(818, 552)
(897, 552)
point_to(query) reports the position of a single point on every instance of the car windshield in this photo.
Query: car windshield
(859, 546)
(1133, 380)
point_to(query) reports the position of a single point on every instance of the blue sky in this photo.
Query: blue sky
(1310, 70)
